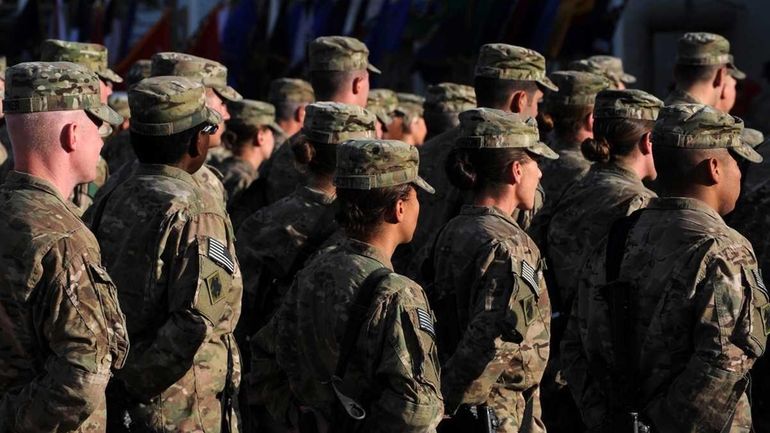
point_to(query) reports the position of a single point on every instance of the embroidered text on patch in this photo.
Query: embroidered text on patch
(219, 254)
(528, 273)
(426, 322)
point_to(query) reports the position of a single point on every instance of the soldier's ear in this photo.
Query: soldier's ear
(299, 114)
(645, 144)
(69, 137)
(719, 77)
(519, 101)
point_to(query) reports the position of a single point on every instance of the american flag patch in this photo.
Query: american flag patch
(760, 282)
(528, 273)
(426, 322)
(219, 254)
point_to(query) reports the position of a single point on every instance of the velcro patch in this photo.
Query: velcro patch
(426, 322)
(528, 273)
(219, 254)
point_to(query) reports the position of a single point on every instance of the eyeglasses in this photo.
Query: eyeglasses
(210, 129)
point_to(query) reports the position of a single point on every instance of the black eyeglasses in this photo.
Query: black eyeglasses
(210, 129)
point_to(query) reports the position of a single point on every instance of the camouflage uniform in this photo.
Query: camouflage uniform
(326, 53)
(117, 148)
(495, 61)
(492, 307)
(171, 252)
(238, 173)
(702, 49)
(609, 67)
(289, 91)
(697, 307)
(94, 57)
(63, 332)
(6, 152)
(394, 369)
(447, 98)
(383, 103)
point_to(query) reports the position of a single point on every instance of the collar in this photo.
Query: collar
(20, 180)
(618, 169)
(473, 210)
(366, 250)
(684, 203)
(315, 195)
(164, 170)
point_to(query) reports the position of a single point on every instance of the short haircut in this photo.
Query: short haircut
(164, 149)
(676, 166)
(688, 75)
(286, 110)
(326, 84)
(495, 92)
(439, 122)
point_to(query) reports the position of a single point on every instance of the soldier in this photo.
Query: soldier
(63, 332)
(275, 242)
(408, 124)
(170, 249)
(609, 67)
(251, 133)
(671, 311)
(704, 72)
(492, 308)
(383, 103)
(289, 96)
(508, 78)
(621, 150)
(352, 335)
(140, 70)
(443, 104)
(94, 57)
(339, 72)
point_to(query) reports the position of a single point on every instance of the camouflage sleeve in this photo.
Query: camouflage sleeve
(76, 317)
(729, 333)
(402, 332)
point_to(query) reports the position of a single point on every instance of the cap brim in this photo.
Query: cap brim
(548, 84)
(748, 153)
(213, 116)
(229, 93)
(628, 78)
(423, 185)
(371, 68)
(735, 72)
(275, 127)
(110, 75)
(384, 119)
(543, 150)
(106, 114)
(105, 130)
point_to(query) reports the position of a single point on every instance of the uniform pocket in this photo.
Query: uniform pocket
(115, 321)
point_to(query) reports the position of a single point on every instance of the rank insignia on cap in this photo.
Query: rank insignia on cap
(528, 274)
(219, 254)
(426, 322)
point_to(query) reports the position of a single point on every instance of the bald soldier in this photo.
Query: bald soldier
(169, 245)
(609, 67)
(63, 332)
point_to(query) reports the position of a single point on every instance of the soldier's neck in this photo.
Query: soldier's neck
(703, 93)
(503, 198)
(48, 169)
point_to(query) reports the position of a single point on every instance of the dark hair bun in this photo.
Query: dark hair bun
(596, 149)
(303, 151)
(460, 169)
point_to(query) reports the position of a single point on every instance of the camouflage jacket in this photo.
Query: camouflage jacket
(6, 152)
(170, 249)
(678, 96)
(582, 218)
(559, 174)
(394, 368)
(83, 195)
(494, 316)
(117, 150)
(237, 175)
(281, 172)
(273, 244)
(63, 331)
(698, 311)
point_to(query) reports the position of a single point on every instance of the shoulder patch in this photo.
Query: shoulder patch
(529, 275)
(426, 322)
(219, 254)
(760, 282)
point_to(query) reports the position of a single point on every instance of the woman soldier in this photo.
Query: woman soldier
(491, 302)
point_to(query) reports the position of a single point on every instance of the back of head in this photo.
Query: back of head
(621, 118)
(288, 94)
(207, 72)
(699, 55)
(333, 63)
(609, 67)
(140, 70)
(567, 108)
(92, 56)
(246, 118)
(443, 104)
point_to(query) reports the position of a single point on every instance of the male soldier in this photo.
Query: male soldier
(671, 312)
(170, 248)
(443, 103)
(63, 332)
(339, 72)
(609, 67)
(289, 96)
(704, 72)
(408, 123)
(383, 103)
(93, 57)
(251, 133)
(508, 78)
(347, 303)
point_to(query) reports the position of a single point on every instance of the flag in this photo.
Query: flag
(156, 39)
(205, 42)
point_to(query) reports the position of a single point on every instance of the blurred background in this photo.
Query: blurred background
(414, 42)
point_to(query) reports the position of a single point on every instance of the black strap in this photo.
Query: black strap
(228, 393)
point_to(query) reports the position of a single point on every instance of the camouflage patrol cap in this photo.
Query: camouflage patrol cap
(92, 56)
(410, 106)
(293, 90)
(626, 104)
(449, 98)
(575, 89)
(56, 86)
(382, 102)
(138, 72)
(487, 128)
(169, 105)
(510, 62)
(3, 66)
(339, 53)
(698, 126)
(369, 164)
(700, 48)
(118, 101)
(610, 67)
(334, 122)
(752, 137)
(212, 74)
(253, 113)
